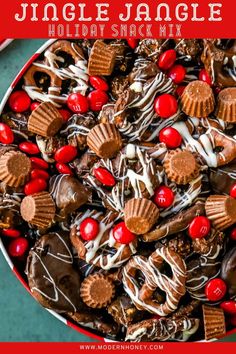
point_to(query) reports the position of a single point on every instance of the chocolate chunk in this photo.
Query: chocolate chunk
(228, 271)
(189, 47)
(118, 85)
(52, 279)
(151, 48)
(180, 244)
(68, 193)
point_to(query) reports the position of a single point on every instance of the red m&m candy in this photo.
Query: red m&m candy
(203, 76)
(132, 42)
(29, 148)
(167, 59)
(163, 197)
(6, 134)
(77, 103)
(199, 227)
(98, 83)
(89, 229)
(63, 169)
(171, 137)
(232, 234)
(121, 234)
(104, 176)
(36, 185)
(177, 73)
(65, 114)
(97, 99)
(34, 105)
(19, 101)
(39, 163)
(233, 191)
(37, 173)
(229, 307)
(66, 154)
(165, 105)
(11, 233)
(215, 289)
(18, 247)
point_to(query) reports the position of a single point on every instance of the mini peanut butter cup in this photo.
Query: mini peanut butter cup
(221, 210)
(45, 120)
(197, 99)
(226, 105)
(214, 322)
(140, 215)
(38, 209)
(97, 290)
(102, 59)
(181, 167)
(105, 140)
(14, 168)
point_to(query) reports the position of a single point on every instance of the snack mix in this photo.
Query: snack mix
(118, 185)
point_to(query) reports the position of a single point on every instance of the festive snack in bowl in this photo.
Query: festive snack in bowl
(114, 206)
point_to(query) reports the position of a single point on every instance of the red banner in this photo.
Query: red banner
(117, 19)
(116, 348)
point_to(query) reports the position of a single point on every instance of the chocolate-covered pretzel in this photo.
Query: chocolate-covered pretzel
(174, 288)
(220, 63)
(36, 92)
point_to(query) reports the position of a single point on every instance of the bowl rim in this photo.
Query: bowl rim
(68, 323)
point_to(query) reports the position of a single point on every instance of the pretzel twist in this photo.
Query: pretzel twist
(174, 287)
(227, 143)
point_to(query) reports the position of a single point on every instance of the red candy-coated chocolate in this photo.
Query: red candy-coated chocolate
(199, 227)
(39, 163)
(233, 234)
(11, 233)
(229, 307)
(177, 73)
(36, 185)
(233, 191)
(203, 76)
(19, 101)
(37, 173)
(89, 229)
(63, 169)
(104, 176)
(29, 148)
(18, 247)
(34, 105)
(167, 59)
(98, 83)
(65, 114)
(77, 103)
(165, 105)
(6, 134)
(171, 137)
(121, 234)
(132, 42)
(65, 154)
(97, 99)
(180, 89)
(215, 289)
(163, 197)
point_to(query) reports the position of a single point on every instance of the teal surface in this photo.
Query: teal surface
(21, 318)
